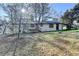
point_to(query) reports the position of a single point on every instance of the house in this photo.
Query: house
(47, 26)
(32, 27)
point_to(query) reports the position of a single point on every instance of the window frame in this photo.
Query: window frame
(51, 25)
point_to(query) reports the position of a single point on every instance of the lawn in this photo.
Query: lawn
(62, 43)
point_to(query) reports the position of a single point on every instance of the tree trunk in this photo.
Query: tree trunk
(4, 29)
(38, 29)
(69, 26)
(16, 41)
(19, 28)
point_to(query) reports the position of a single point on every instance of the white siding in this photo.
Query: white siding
(60, 26)
(45, 27)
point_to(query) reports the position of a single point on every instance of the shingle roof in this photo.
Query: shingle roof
(53, 22)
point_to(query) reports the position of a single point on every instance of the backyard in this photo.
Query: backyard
(64, 43)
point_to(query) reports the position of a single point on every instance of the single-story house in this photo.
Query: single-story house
(47, 26)
(32, 27)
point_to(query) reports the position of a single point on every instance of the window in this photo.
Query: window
(51, 25)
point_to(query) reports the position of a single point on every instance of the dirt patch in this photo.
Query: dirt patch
(62, 40)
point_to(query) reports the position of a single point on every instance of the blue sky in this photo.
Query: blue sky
(57, 6)
(62, 7)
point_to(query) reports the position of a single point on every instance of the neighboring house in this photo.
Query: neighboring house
(75, 24)
(4, 28)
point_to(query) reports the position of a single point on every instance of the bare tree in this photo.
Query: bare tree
(41, 10)
(37, 12)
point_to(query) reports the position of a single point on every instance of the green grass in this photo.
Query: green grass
(66, 30)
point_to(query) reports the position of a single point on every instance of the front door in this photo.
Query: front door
(57, 26)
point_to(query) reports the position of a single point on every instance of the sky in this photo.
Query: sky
(59, 7)
(2, 13)
(62, 7)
